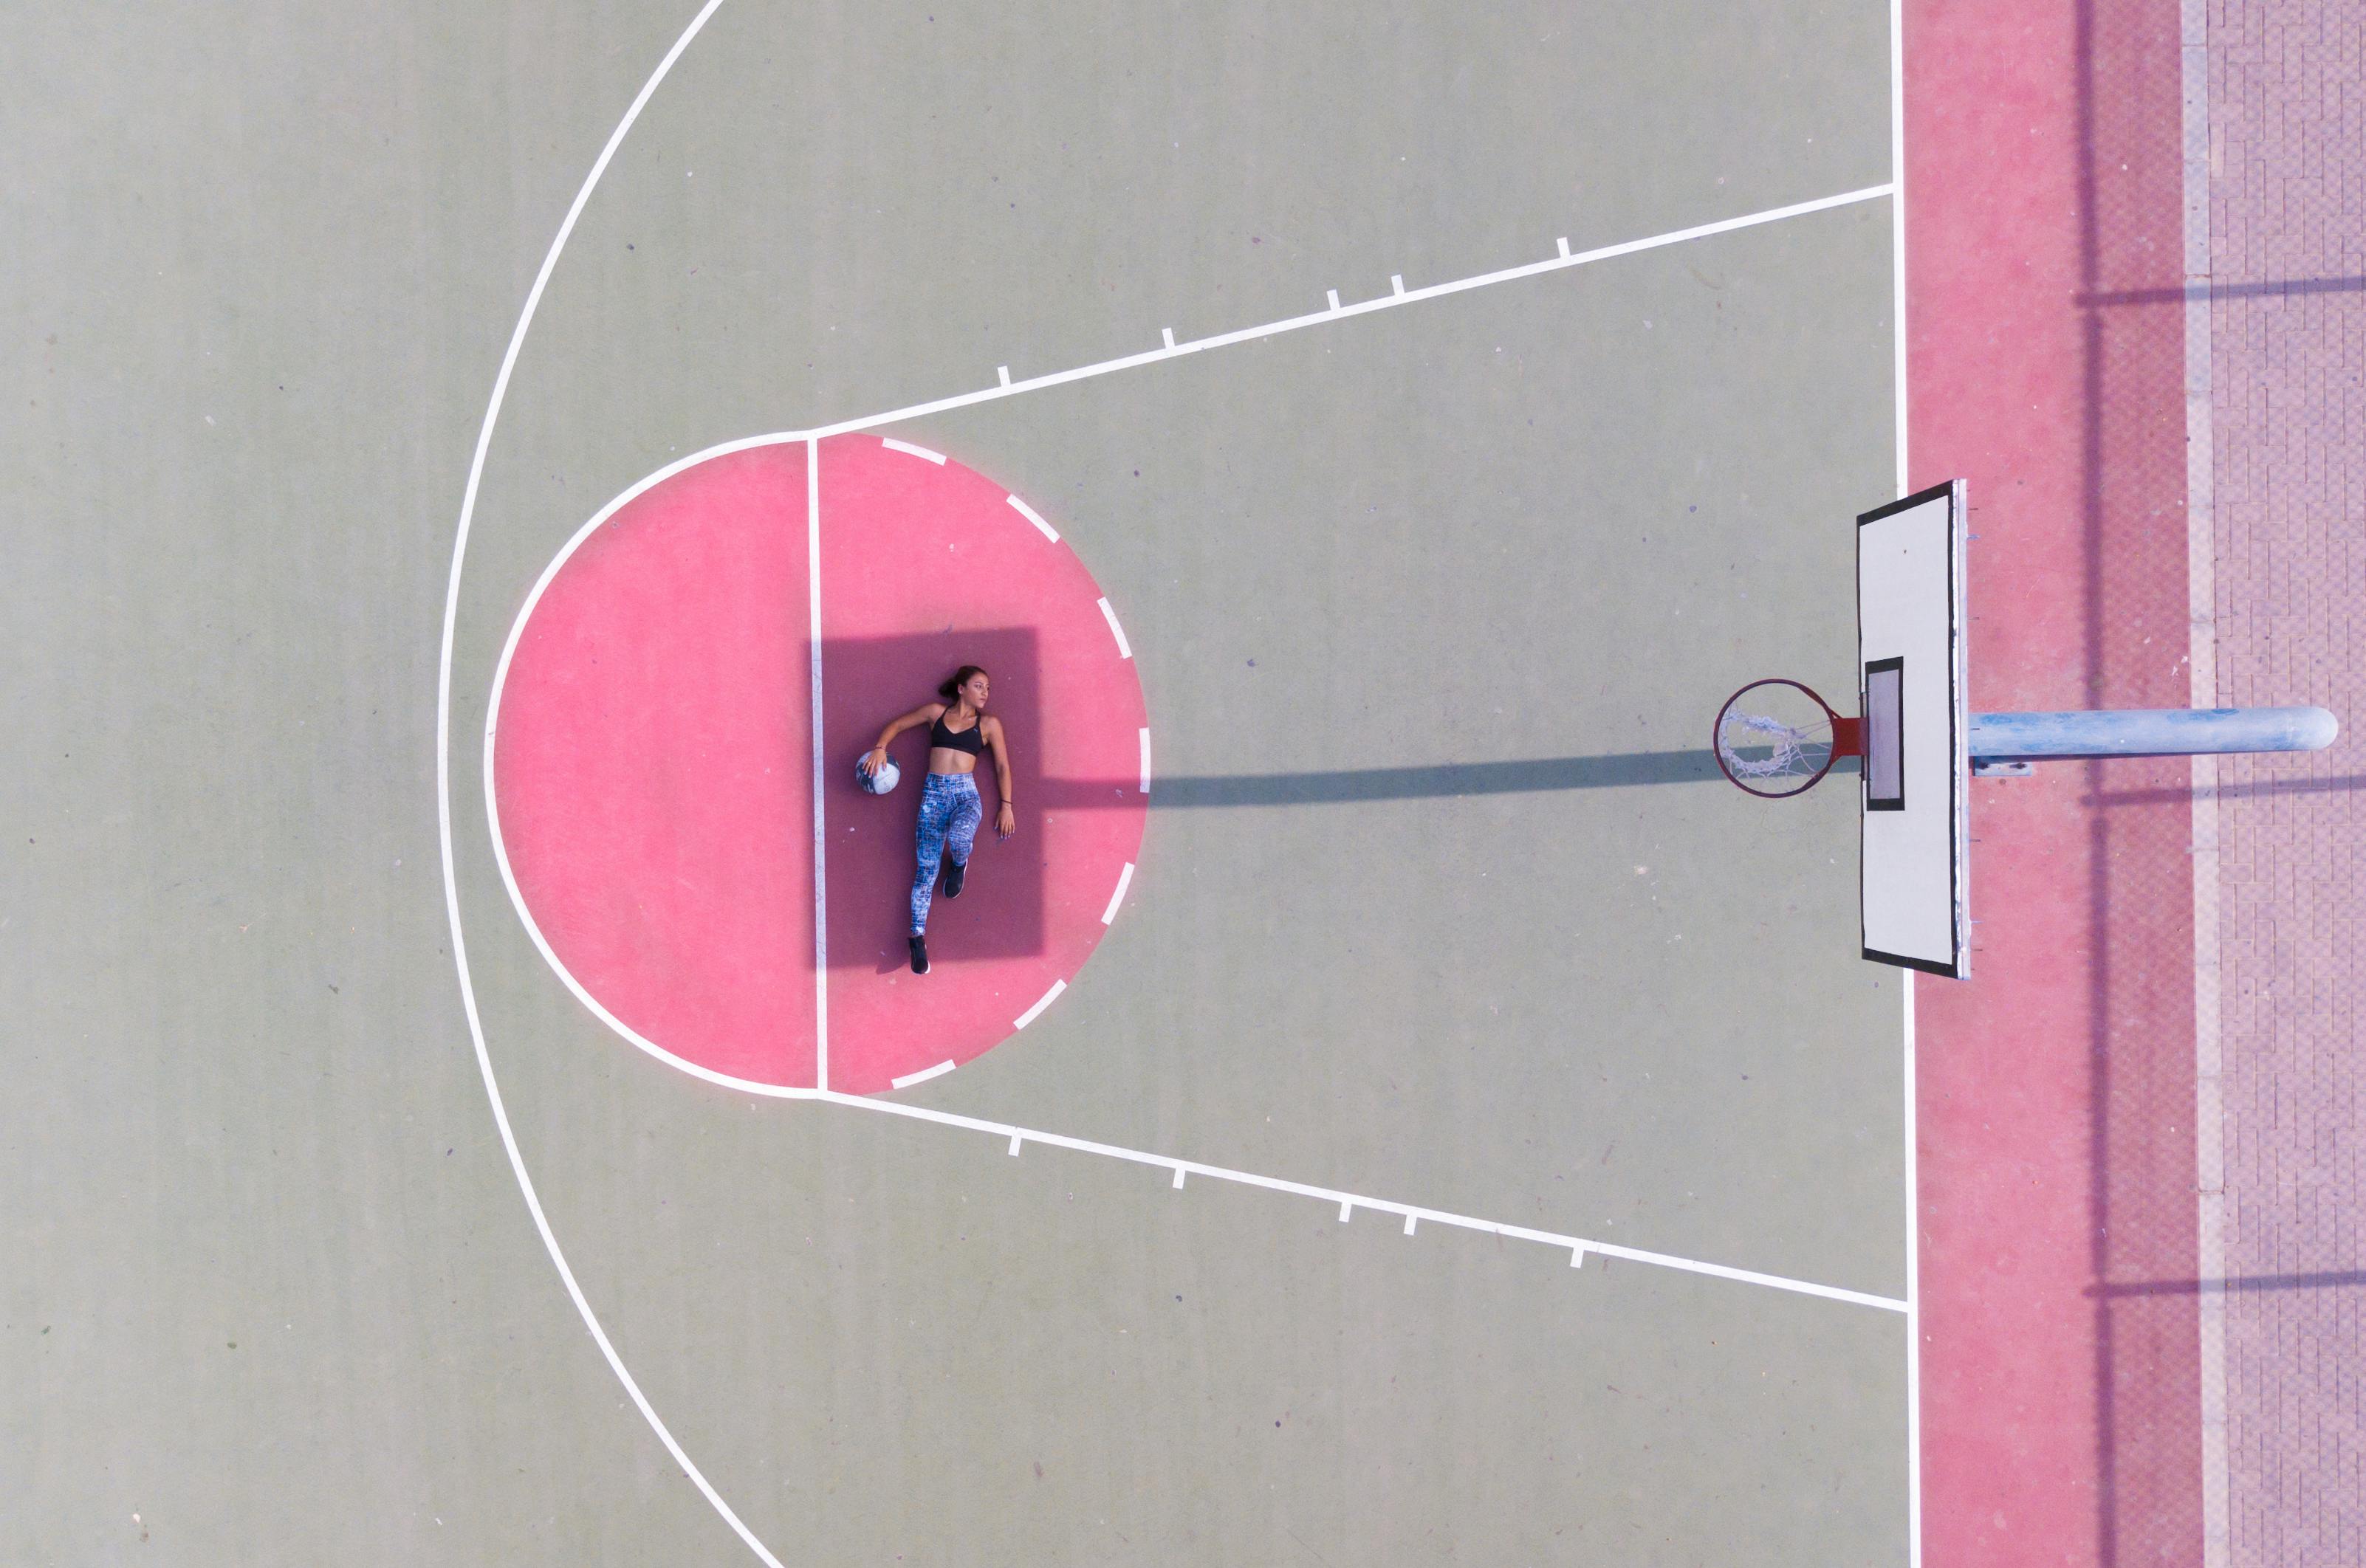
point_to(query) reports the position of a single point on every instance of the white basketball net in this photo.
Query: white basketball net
(1774, 749)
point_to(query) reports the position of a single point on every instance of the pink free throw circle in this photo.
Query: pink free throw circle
(654, 764)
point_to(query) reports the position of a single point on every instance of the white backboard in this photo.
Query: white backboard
(1916, 770)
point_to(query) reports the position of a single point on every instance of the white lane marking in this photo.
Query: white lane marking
(1167, 336)
(1031, 515)
(1332, 296)
(1292, 324)
(444, 803)
(1042, 1002)
(1003, 371)
(721, 449)
(1913, 1199)
(922, 1076)
(1411, 1220)
(1563, 243)
(1577, 1257)
(1346, 1209)
(1117, 897)
(1576, 1244)
(922, 453)
(1396, 284)
(1178, 1178)
(821, 829)
(1123, 651)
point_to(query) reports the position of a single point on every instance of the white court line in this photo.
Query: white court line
(1145, 762)
(444, 802)
(1008, 388)
(1906, 983)
(1031, 515)
(821, 830)
(1042, 1002)
(1332, 296)
(1167, 336)
(1002, 373)
(1396, 284)
(1123, 650)
(1350, 1202)
(1117, 897)
(1564, 244)
(922, 1076)
(922, 453)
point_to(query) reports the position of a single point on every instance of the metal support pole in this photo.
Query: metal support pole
(1998, 738)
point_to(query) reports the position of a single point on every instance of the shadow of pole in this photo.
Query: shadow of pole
(1533, 776)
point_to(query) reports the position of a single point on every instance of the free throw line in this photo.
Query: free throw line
(820, 829)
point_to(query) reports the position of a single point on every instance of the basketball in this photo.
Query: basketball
(877, 783)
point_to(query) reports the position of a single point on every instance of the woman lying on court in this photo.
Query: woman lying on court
(958, 730)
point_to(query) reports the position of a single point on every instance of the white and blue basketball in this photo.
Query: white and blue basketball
(877, 783)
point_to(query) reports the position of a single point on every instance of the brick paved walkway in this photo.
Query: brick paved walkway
(2288, 367)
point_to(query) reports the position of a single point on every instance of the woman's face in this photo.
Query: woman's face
(975, 689)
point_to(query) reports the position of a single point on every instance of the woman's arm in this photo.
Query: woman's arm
(1006, 818)
(926, 713)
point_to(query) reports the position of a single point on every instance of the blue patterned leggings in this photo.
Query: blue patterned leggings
(950, 811)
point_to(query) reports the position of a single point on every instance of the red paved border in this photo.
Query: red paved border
(2287, 252)
(2044, 180)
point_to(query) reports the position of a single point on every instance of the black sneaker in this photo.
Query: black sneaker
(919, 946)
(953, 874)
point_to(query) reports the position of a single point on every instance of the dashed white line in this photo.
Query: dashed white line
(922, 1076)
(1042, 1002)
(1145, 762)
(1117, 897)
(1031, 515)
(1123, 650)
(922, 453)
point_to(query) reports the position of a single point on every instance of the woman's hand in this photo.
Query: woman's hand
(1005, 820)
(874, 759)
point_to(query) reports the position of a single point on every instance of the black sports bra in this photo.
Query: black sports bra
(968, 740)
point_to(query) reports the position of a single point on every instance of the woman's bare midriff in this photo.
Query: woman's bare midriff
(944, 759)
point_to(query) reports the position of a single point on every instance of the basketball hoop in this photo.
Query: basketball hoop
(1777, 738)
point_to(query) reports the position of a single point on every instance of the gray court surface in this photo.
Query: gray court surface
(274, 1294)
